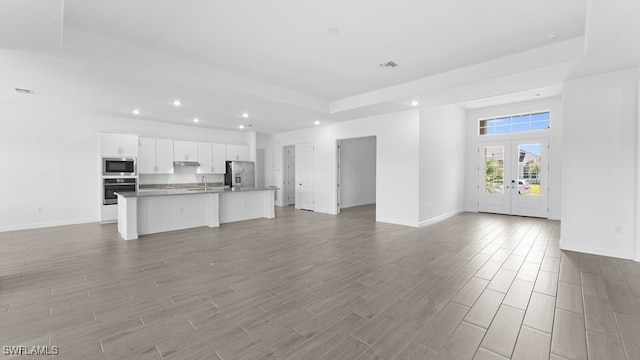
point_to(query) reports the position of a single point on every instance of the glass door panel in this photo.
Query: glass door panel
(529, 161)
(494, 169)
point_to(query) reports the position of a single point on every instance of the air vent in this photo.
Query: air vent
(24, 91)
(388, 64)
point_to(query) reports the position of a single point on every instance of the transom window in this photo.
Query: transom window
(515, 123)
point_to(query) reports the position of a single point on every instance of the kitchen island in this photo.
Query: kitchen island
(153, 211)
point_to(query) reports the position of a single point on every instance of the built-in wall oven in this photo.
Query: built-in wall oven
(118, 166)
(114, 185)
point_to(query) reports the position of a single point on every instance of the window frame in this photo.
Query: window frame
(493, 123)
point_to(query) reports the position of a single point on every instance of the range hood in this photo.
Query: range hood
(186, 163)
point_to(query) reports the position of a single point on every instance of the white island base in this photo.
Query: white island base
(151, 212)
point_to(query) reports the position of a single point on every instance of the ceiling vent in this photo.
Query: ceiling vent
(24, 91)
(388, 64)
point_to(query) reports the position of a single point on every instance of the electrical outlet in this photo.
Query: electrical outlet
(616, 229)
(40, 210)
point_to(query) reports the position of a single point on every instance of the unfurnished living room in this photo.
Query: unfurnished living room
(320, 179)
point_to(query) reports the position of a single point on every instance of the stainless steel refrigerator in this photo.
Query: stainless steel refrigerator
(240, 174)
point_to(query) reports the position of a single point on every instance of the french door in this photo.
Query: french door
(513, 177)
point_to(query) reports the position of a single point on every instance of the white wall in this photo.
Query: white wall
(357, 172)
(600, 164)
(265, 142)
(397, 156)
(637, 242)
(442, 162)
(554, 105)
(50, 160)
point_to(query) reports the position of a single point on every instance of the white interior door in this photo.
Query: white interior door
(305, 176)
(513, 177)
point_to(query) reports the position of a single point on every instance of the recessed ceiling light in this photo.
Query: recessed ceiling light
(537, 94)
(241, 126)
(136, 112)
(334, 30)
(195, 120)
(177, 102)
(551, 36)
(245, 115)
(317, 122)
(414, 103)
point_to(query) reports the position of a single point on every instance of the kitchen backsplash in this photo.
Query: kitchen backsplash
(181, 175)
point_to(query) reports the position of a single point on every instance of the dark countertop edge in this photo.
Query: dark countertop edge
(165, 192)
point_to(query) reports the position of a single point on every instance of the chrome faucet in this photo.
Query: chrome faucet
(204, 180)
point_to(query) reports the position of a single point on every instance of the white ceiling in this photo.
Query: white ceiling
(290, 62)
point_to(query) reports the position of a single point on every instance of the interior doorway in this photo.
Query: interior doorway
(356, 172)
(289, 175)
(514, 177)
(305, 176)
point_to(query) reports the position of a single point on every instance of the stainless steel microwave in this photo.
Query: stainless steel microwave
(118, 167)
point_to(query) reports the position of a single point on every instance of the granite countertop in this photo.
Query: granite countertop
(166, 191)
(180, 186)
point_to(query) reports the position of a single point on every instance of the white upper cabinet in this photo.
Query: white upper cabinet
(211, 158)
(118, 145)
(147, 157)
(164, 156)
(205, 159)
(156, 156)
(219, 159)
(237, 152)
(185, 151)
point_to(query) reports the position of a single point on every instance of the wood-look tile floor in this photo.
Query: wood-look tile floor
(314, 286)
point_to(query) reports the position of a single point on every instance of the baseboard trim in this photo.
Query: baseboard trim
(47, 224)
(593, 250)
(396, 222)
(440, 218)
(343, 206)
